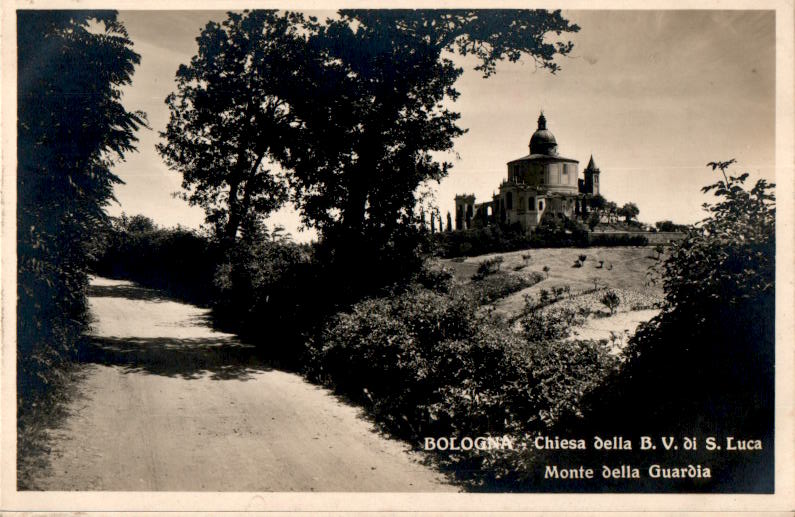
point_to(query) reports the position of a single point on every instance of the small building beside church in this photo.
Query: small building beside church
(542, 183)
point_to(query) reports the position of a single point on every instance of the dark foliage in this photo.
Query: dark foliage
(430, 364)
(498, 285)
(610, 300)
(227, 125)
(71, 127)
(607, 239)
(546, 325)
(552, 232)
(179, 261)
(670, 226)
(487, 267)
(705, 365)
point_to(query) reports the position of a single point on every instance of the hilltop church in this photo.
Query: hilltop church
(538, 184)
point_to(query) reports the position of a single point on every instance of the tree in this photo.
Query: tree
(593, 220)
(612, 210)
(670, 226)
(280, 234)
(227, 120)
(629, 211)
(71, 128)
(138, 223)
(598, 203)
(715, 333)
(611, 300)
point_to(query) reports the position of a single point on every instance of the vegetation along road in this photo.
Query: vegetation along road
(167, 403)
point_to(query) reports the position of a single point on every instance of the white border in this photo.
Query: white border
(782, 501)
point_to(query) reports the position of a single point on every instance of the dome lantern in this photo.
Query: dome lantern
(543, 141)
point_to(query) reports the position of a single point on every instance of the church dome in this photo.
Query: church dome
(543, 141)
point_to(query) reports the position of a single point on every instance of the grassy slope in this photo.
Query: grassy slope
(629, 270)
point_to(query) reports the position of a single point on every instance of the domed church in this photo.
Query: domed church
(542, 183)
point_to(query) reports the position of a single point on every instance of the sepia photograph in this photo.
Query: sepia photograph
(430, 251)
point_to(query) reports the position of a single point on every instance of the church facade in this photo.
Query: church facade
(542, 183)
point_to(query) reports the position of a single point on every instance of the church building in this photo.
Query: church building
(542, 183)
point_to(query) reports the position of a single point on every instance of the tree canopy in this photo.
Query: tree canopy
(630, 211)
(228, 122)
(352, 108)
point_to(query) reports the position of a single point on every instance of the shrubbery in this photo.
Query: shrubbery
(670, 226)
(609, 239)
(430, 364)
(487, 267)
(498, 286)
(552, 232)
(179, 261)
(705, 365)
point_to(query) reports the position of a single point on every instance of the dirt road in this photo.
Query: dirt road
(167, 403)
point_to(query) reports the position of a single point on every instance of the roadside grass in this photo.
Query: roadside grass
(35, 427)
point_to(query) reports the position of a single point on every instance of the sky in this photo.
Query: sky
(653, 95)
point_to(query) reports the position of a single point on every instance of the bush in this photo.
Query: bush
(552, 232)
(499, 285)
(487, 267)
(179, 261)
(546, 325)
(669, 226)
(715, 334)
(611, 300)
(428, 364)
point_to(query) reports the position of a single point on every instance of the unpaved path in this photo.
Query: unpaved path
(167, 403)
(617, 328)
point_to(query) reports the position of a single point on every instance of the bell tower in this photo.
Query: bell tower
(592, 178)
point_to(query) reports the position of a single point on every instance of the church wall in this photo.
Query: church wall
(561, 177)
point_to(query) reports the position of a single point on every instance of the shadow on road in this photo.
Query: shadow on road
(130, 292)
(189, 358)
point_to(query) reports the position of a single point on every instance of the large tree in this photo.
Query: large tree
(228, 122)
(71, 127)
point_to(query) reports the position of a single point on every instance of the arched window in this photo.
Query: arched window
(509, 200)
(530, 203)
(540, 205)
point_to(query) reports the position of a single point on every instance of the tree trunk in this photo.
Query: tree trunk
(232, 224)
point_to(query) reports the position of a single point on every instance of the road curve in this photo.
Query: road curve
(168, 403)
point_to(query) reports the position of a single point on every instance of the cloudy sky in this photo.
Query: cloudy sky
(653, 95)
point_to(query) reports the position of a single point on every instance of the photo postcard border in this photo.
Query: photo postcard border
(782, 500)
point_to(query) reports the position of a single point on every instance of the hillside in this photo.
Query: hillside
(626, 270)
